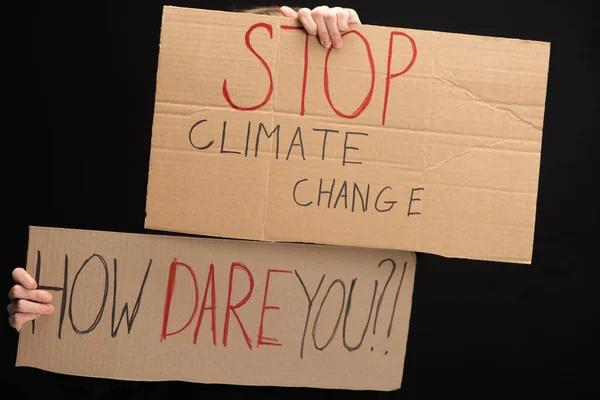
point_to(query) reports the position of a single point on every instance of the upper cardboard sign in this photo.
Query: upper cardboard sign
(149, 307)
(402, 139)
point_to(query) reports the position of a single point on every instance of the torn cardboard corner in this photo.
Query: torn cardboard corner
(402, 139)
(158, 308)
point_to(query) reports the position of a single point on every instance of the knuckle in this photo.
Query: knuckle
(317, 12)
(330, 15)
(304, 12)
(13, 292)
(20, 305)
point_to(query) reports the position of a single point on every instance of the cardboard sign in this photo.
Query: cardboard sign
(150, 307)
(403, 139)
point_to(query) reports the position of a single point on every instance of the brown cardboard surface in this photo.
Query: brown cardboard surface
(330, 317)
(448, 164)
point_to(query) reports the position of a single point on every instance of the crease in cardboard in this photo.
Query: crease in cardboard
(454, 82)
(486, 188)
(266, 199)
(308, 158)
(471, 149)
(449, 110)
(329, 120)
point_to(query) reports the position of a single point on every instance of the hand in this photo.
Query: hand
(327, 23)
(26, 302)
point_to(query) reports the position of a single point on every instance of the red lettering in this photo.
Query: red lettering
(263, 339)
(369, 95)
(305, 72)
(210, 281)
(232, 309)
(389, 76)
(169, 296)
(269, 28)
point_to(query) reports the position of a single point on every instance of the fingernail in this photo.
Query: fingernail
(337, 44)
(47, 296)
(326, 43)
(49, 308)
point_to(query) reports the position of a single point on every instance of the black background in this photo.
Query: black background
(81, 84)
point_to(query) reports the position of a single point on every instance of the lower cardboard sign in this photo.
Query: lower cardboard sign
(158, 308)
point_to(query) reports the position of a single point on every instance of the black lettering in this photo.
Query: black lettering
(396, 300)
(411, 200)
(362, 338)
(297, 134)
(223, 141)
(337, 323)
(321, 191)
(268, 135)
(101, 311)
(125, 311)
(247, 139)
(63, 289)
(310, 304)
(295, 199)
(192, 142)
(346, 147)
(325, 132)
(392, 203)
(342, 193)
(364, 201)
(387, 282)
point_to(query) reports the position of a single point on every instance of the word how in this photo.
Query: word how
(68, 295)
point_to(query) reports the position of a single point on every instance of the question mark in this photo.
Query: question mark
(383, 291)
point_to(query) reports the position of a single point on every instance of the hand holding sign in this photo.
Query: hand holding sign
(27, 301)
(325, 22)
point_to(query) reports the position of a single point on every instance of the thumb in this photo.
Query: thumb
(288, 12)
